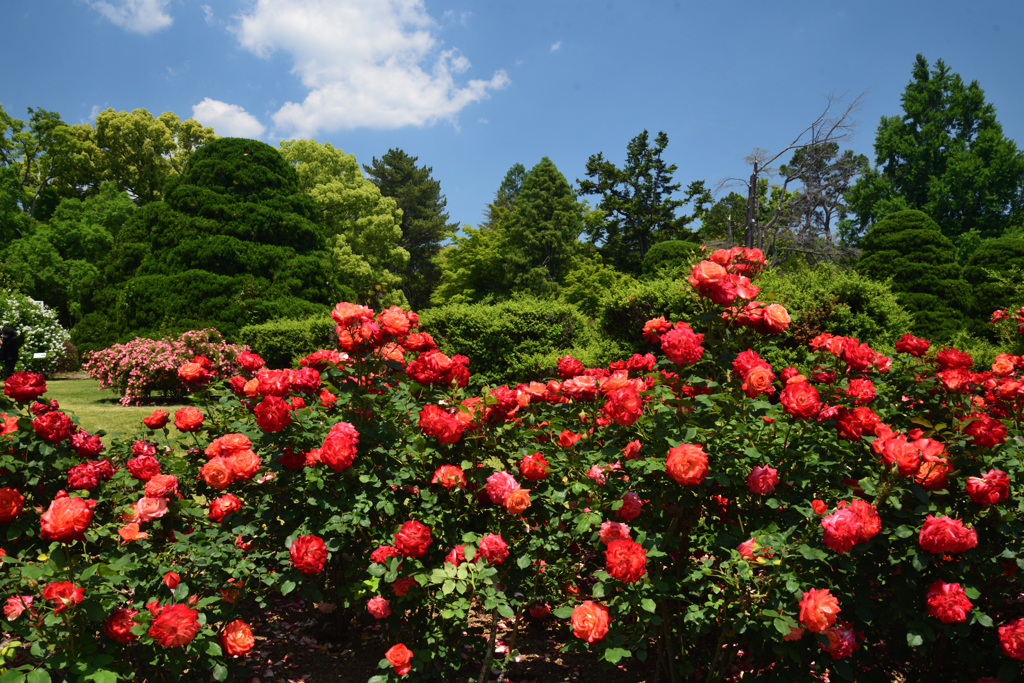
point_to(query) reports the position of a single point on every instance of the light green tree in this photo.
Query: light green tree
(362, 226)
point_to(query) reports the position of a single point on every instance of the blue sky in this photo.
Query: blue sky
(473, 87)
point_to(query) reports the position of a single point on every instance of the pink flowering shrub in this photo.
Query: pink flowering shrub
(143, 367)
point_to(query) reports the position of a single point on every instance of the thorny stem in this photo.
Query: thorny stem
(490, 647)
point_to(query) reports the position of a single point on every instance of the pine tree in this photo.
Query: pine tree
(424, 219)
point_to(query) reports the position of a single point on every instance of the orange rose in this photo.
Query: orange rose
(590, 621)
(66, 519)
(218, 473)
(818, 610)
(188, 419)
(192, 372)
(517, 501)
(776, 318)
(251, 388)
(244, 464)
(758, 381)
(130, 532)
(399, 657)
(227, 444)
(687, 464)
(236, 638)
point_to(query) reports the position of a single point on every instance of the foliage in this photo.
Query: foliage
(505, 198)
(424, 224)
(625, 309)
(992, 272)
(232, 245)
(507, 340)
(747, 519)
(472, 267)
(826, 298)
(280, 343)
(946, 156)
(637, 200)
(587, 284)
(39, 329)
(908, 248)
(361, 224)
(142, 367)
(669, 258)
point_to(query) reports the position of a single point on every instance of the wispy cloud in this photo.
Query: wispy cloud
(208, 15)
(366, 63)
(227, 119)
(556, 46)
(137, 16)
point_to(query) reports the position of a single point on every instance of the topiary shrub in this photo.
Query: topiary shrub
(282, 342)
(513, 341)
(671, 256)
(1003, 256)
(908, 249)
(39, 329)
(625, 309)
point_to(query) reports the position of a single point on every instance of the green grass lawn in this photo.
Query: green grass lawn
(96, 409)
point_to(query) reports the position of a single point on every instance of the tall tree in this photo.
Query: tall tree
(361, 225)
(637, 200)
(505, 197)
(543, 230)
(424, 219)
(946, 156)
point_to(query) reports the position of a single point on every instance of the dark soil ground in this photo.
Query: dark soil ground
(296, 642)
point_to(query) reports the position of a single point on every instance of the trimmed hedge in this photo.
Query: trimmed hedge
(281, 343)
(624, 310)
(515, 341)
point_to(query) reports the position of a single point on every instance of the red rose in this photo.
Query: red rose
(1011, 639)
(412, 539)
(590, 621)
(819, 506)
(119, 625)
(192, 373)
(272, 414)
(631, 506)
(990, 488)
(53, 427)
(948, 602)
(327, 399)
(11, 503)
(403, 585)
(654, 328)
(218, 473)
(499, 485)
(858, 356)
(382, 553)
(175, 626)
(870, 522)
(83, 477)
(687, 464)
(309, 553)
(306, 379)
(221, 507)
(171, 580)
(818, 609)
(237, 638)
(946, 535)
(953, 358)
(85, 445)
(841, 640)
(399, 656)
(763, 479)
(568, 439)
(66, 519)
(188, 419)
(25, 386)
(569, 367)
(274, 383)
(493, 548)
(908, 343)
(843, 529)
(250, 362)
(985, 431)
(339, 449)
(682, 345)
(64, 593)
(439, 423)
(157, 420)
(379, 607)
(626, 560)
(244, 464)
(800, 400)
(624, 406)
(449, 476)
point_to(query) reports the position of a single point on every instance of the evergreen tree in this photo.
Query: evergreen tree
(543, 230)
(505, 197)
(231, 244)
(908, 248)
(424, 219)
(947, 156)
(1004, 258)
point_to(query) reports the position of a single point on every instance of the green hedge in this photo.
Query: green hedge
(518, 340)
(282, 342)
(625, 309)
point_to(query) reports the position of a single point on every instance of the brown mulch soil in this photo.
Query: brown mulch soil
(296, 642)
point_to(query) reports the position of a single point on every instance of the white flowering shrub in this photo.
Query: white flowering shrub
(38, 328)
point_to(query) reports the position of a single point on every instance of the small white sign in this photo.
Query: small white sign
(38, 355)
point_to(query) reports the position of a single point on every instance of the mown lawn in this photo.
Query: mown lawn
(96, 409)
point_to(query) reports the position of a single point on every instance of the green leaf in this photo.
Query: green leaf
(782, 626)
(220, 672)
(983, 619)
(524, 561)
(38, 676)
(904, 531)
(13, 675)
(506, 611)
(448, 587)
(287, 587)
(32, 572)
(649, 605)
(614, 654)
(914, 639)
(563, 612)
(103, 676)
(88, 572)
(213, 648)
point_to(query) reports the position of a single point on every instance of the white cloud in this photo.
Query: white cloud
(372, 63)
(138, 16)
(227, 119)
(483, 120)
(208, 15)
(556, 46)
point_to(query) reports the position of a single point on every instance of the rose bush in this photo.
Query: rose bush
(704, 512)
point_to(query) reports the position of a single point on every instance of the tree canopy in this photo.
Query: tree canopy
(947, 156)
